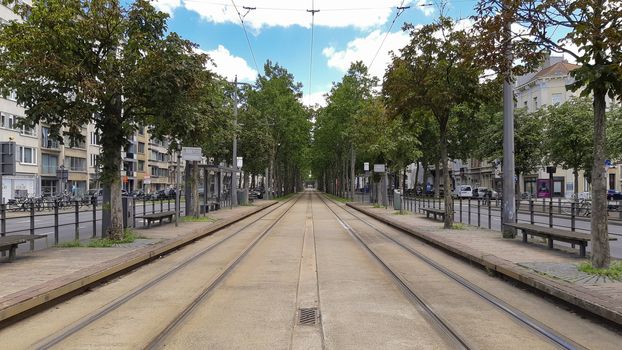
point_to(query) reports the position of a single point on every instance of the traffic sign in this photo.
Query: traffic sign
(379, 168)
(240, 162)
(366, 166)
(191, 153)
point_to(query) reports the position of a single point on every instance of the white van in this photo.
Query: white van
(464, 191)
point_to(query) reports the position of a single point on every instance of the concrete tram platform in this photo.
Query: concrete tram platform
(38, 277)
(550, 271)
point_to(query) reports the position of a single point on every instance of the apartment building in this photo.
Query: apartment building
(40, 158)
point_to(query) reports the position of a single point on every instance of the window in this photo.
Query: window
(141, 147)
(8, 120)
(94, 160)
(49, 164)
(74, 144)
(556, 99)
(525, 104)
(94, 138)
(75, 163)
(612, 181)
(46, 140)
(27, 155)
(141, 165)
(12, 96)
(535, 102)
(141, 130)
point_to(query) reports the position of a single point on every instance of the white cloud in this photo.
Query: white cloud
(364, 49)
(316, 98)
(426, 6)
(167, 6)
(229, 66)
(285, 13)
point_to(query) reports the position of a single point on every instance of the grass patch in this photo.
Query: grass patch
(197, 219)
(72, 244)
(376, 205)
(400, 213)
(458, 226)
(338, 199)
(129, 236)
(614, 271)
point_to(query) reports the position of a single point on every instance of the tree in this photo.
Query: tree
(592, 27)
(275, 100)
(73, 62)
(528, 141)
(438, 72)
(569, 142)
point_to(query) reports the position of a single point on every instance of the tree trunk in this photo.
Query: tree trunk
(437, 171)
(416, 177)
(600, 235)
(449, 206)
(352, 172)
(195, 189)
(576, 183)
(115, 231)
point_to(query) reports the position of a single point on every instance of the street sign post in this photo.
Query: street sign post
(192, 154)
(240, 162)
(366, 166)
(379, 168)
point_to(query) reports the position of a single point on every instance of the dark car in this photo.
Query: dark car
(614, 195)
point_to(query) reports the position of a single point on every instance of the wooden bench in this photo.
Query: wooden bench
(157, 216)
(435, 212)
(10, 243)
(555, 234)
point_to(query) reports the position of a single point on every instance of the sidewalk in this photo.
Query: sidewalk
(37, 277)
(550, 271)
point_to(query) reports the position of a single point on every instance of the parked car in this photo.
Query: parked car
(614, 195)
(484, 192)
(463, 191)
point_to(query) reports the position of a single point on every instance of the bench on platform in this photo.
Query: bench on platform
(10, 243)
(157, 216)
(435, 212)
(555, 234)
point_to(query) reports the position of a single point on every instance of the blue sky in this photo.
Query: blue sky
(280, 30)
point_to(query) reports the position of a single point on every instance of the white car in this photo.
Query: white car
(463, 191)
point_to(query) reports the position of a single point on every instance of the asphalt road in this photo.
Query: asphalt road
(44, 223)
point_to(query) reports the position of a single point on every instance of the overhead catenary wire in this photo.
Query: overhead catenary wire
(250, 47)
(400, 10)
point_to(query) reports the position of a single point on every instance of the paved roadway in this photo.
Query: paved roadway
(246, 286)
(44, 223)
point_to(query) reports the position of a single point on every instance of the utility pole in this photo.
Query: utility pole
(234, 174)
(178, 188)
(509, 194)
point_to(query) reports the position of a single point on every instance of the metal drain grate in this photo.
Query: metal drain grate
(307, 316)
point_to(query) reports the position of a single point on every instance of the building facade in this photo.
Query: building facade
(40, 158)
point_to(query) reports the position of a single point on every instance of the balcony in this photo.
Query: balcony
(50, 144)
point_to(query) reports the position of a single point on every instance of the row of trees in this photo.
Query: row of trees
(74, 62)
(439, 104)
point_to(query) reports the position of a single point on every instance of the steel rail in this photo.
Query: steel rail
(156, 342)
(65, 333)
(441, 325)
(516, 314)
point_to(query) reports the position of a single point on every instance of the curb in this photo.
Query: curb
(573, 294)
(23, 301)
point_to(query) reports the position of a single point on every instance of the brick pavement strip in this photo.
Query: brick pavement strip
(604, 299)
(113, 261)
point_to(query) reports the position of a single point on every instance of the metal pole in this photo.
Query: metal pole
(177, 188)
(234, 174)
(508, 137)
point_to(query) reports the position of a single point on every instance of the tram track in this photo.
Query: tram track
(67, 332)
(178, 320)
(445, 327)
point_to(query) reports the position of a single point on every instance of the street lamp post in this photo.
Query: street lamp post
(234, 162)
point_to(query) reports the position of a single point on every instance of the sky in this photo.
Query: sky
(344, 31)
